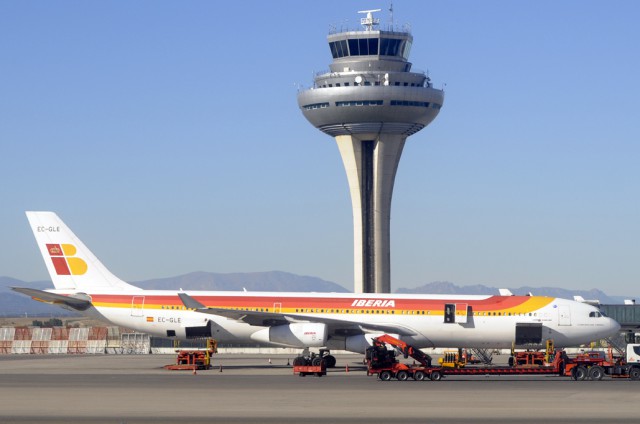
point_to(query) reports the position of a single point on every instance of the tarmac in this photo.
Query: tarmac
(130, 389)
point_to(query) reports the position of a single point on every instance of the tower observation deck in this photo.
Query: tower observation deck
(370, 102)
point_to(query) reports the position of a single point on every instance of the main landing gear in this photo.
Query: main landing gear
(307, 358)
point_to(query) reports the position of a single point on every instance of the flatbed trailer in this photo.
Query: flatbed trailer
(386, 366)
(586, 366)
(304, 370)
(436, 373)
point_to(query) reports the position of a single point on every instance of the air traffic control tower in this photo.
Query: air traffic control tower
(370, 102)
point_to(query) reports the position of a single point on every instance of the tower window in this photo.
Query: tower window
(409, 103)
(339, 49)
(360, 103)
(316, 106)
(389, 47)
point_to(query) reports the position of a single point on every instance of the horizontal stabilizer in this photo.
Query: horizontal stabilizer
(72, 301)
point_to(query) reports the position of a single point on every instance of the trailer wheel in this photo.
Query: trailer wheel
(402, 375)
(634, 373)
(436, 376)
(329, 361)
(579, 373)
(418, 376)
(596, 373)
(385, 375)
(299, 361)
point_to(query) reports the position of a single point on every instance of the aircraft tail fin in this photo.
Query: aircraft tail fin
(70, 263)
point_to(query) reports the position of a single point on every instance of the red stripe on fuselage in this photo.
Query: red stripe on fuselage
(493, 303)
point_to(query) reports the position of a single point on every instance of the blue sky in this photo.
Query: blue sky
(168, 137)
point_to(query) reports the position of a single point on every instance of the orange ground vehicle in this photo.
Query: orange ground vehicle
(595, 365)
(197, 359)
(384, 363)
(586, 366)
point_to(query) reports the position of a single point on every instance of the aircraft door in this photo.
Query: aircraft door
(564, 315)
(137, 306)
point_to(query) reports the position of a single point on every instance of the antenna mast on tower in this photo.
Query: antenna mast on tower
(369, 22)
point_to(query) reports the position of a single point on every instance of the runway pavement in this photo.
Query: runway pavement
(249, 389)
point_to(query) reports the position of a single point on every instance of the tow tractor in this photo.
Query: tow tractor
(591, 366)
(595, 365)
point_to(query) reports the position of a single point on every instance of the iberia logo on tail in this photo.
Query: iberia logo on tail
(64, 260)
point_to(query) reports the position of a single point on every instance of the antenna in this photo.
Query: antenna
(391, 16)
(369, 22)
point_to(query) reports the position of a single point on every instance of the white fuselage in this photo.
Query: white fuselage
(483, 322)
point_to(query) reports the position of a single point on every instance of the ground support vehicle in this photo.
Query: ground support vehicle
(384, 363)
(595, 365)
(199, 359)
(312, 364)
(304, 370)
(310, 358)
(586, 366)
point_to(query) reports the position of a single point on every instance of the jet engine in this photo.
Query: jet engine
(299, 334)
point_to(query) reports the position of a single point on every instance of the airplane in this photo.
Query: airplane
(329, 321)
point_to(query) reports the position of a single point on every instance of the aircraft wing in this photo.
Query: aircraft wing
(268, 319)
(77, 303)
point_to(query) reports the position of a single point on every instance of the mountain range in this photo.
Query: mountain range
(15, 304)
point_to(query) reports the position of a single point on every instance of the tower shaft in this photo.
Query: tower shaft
(371, 167)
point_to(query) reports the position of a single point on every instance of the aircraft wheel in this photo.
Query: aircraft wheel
(316, 361)
(436, 376)
(402, 375)
(596, 373)
(385, 375)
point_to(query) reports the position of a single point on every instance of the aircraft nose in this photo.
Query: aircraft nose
(614, 326)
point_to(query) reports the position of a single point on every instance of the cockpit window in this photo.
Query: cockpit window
(595, 314)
